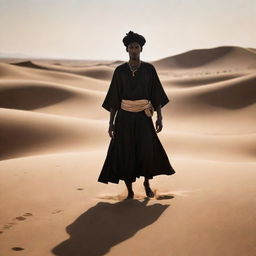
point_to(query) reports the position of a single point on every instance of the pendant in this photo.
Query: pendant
(133, 71)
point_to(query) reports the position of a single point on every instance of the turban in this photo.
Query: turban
(133, 37)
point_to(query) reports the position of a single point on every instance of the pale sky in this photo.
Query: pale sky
(94, 29)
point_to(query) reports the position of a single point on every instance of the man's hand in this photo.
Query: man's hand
(111, 130)
(159, 125)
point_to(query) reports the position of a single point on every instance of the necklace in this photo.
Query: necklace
(134, 68)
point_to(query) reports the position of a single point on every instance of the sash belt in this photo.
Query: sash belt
(138, 105)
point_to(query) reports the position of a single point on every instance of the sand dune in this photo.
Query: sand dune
(31, 95)
(224, 57)
(234, 93)
(190, 81)
(28, 64)
(22, 73)
(99, 72)
(54, 140)
(26, 133)
(49, 98)
(230, 148)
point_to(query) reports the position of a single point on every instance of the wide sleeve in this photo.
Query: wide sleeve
(158, 95)
(112, 99)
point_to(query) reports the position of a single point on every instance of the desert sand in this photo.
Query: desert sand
(54, 141)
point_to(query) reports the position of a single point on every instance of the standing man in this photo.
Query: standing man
(134, 94)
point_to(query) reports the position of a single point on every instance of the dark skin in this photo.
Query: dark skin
(134, 50)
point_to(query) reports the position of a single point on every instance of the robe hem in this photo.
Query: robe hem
(134, 179)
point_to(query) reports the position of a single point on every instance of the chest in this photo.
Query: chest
(140, 79)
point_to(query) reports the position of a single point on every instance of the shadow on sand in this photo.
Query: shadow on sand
(105, 225)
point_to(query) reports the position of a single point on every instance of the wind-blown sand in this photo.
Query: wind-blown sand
(54, 141)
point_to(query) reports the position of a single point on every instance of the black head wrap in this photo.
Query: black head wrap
(134, 37)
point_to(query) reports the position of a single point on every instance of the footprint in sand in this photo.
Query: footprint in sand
(56, 211)
(7, 226)
(20, 218)
(17, 248)
(27, 214)
(10, 224)
(164, 197)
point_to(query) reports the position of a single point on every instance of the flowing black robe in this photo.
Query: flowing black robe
(135, 149)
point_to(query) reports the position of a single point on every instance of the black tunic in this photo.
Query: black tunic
(135, 149)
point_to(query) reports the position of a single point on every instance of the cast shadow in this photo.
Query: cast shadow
(105, 225)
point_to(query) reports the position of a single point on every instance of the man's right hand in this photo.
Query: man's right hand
(111, 130)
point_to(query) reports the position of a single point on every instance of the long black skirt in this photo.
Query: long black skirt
(135, 150)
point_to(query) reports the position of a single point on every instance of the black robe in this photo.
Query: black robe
(135, 149)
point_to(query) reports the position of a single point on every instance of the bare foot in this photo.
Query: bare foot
(148, 190)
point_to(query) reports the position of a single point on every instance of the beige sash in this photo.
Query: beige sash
(138, 105)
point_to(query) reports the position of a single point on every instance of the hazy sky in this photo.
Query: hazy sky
(93, 29)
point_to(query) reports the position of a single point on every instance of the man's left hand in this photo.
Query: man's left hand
(159, 125)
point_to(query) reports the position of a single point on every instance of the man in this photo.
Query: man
(135, 150)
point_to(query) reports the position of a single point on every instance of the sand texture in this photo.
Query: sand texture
(54, 139)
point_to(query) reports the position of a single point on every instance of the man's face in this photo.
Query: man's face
(134, 50)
